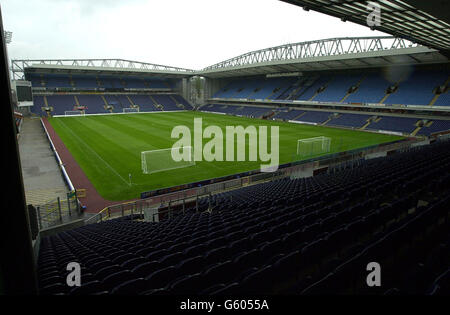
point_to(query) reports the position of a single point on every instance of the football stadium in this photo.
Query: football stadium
(312, 168)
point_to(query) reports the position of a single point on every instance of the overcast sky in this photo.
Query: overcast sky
(185, 33)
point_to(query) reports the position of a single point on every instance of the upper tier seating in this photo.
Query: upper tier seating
(36, 81)
(271, 89)
(308, 92)
(100, 81)
(255, 89)
(371, 87)
(337, 88)
(443, 99)
(307, 236)
(135, 84)
(57, 81)
(418, 88)
(96, 105)
(159, 84)
(371, 90)
(85, 82)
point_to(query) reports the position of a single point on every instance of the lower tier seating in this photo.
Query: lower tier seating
(291, 236)
(405, 125)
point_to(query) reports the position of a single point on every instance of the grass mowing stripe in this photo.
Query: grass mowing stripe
(123, 132)
(120, 142)
(122, 137)
(95, 153)
(152, 130)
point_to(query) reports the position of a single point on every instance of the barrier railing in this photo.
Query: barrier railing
(58, 211)
(58, 159)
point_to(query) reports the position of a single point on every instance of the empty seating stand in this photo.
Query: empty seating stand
(397, 124)
(289, 236)
(369, 87)
(96, 105)
(436, 126)
(289, 115)
(350, 120)
(405, 125)
(337, 88)
(418, 88)
(315, 117)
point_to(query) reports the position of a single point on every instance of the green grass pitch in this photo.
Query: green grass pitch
(108, 147)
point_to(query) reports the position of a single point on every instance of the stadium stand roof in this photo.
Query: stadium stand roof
(420, 29)
(327, 54)
(422, 22)
(104, 66)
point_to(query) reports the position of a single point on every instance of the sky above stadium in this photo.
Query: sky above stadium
(190, 34)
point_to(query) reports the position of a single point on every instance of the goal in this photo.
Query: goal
(166, 159)
(131, 110)
(313, 146)
(74, 113)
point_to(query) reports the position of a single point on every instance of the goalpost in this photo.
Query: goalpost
(131, 110)
(313, 146)
(74, 113)
(162, 160)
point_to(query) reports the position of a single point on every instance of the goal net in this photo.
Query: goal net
(166, 159)
(313, 146)
(131, 110)
(74, 113)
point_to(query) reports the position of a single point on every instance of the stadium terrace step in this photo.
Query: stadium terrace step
(104, 100)
(366, 125)
(130, 100)
(356, 87)
(299, 116)
(416, 131)
(434, 100)
(330, 119)
(384, 98)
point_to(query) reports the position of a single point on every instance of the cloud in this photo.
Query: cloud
(191, 34)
